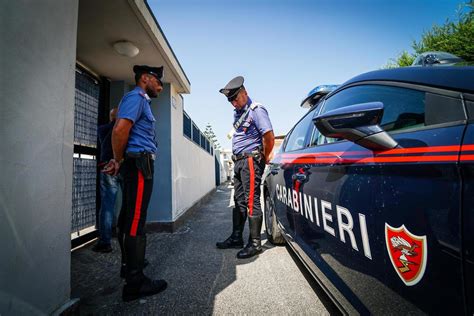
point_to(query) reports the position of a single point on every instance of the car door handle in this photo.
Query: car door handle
(299, 177)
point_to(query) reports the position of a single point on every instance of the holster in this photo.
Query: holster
(143, 162)
(258, 157)
(256, 154)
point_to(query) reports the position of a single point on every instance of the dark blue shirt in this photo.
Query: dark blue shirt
(249, 135)
(135, 106)
(105, 140)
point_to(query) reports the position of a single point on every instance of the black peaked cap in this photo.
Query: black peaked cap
(154, 71)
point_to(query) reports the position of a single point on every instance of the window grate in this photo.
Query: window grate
(84, 186)
(86, 111)
(83, 193)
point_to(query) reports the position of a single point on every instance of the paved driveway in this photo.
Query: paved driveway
(201, 279)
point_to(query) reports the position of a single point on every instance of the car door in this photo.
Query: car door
(467, 167)
(281, 173)
(383, 226)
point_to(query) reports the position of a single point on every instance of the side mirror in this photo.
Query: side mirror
(358, 123)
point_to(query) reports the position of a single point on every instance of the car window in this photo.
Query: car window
(403, 108)
(315, 134)
(297, 138)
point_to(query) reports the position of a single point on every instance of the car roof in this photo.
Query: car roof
(451, 77)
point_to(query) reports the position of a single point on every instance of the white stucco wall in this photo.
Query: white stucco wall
(223, 174)
(226, 163)
(193, 170)
(38, 40)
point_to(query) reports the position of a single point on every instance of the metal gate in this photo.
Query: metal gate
(84, 185)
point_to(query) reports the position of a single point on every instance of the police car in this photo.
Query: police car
(374, 190)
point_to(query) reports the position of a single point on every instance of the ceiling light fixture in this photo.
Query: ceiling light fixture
(126, 48)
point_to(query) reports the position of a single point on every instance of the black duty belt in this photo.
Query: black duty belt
(140, 155)
(254, 154)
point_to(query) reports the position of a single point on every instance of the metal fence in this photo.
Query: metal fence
(84, 186)
(187, 126)
(196, 134)
(191, 131)
(86, 110)
(83, 194)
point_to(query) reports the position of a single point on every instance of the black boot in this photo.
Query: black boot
(254, 246)
(235, 240)
(138, 285)
(123, 266)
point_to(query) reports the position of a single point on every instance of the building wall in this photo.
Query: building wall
(227, 163)
(117, 91)
(38, 40)
(193, 169)
(223, 169)
(278, 142)
(160, 208)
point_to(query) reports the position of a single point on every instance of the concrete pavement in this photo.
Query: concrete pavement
(202, 280)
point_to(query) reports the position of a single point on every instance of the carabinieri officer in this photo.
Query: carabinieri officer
(134, 148)
(252, 145)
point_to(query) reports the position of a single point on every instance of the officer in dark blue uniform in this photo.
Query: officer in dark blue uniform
(134, 148)
(252, 145)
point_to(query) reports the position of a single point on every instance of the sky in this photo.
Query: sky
(284, 48)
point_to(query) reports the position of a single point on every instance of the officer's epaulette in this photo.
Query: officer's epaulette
(144, 95)
(255, 105)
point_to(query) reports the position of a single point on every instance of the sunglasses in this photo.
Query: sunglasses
(232, 98)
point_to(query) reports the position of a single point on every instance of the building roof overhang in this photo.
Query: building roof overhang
(102, 23)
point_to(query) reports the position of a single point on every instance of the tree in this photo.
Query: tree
(209, 133)
(455, 37)
(403, 60)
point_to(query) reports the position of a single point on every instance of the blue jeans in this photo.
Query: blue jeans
(109, 186)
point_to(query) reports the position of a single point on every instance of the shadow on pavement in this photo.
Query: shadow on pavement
(188, 260)
(325, 299)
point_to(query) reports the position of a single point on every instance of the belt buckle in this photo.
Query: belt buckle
(152, 156)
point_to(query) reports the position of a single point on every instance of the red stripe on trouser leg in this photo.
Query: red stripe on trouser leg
(138, 204)
(252, 185)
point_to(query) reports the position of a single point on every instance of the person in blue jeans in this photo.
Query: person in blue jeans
(109, 186)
